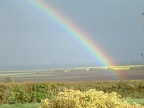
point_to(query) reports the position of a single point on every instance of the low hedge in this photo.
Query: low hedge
(29, 92)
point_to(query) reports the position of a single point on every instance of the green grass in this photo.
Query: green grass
(139, 101)
(37, 105)
(32, 105)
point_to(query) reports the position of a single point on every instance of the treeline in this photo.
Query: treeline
(98, 69)
(137, 68)
(29, 92)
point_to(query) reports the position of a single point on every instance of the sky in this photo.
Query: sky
(29, 37)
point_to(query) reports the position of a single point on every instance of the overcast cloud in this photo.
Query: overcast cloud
(29, 37)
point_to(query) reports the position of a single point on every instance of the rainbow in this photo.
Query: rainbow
(94, 50)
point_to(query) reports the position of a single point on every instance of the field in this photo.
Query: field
(127, 72)
(128, 81)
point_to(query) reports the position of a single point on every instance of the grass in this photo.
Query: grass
(28, 105)
(139, 101)
(37, 105)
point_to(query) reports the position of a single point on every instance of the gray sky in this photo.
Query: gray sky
(29, 37)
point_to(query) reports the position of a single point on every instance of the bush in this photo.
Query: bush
(3, 93)
(29, 92)
(18, 93)
(8, 79)
(88, 99)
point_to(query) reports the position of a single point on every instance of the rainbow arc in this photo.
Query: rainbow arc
(93, 49)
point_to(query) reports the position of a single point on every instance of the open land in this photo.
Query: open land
(77, 74)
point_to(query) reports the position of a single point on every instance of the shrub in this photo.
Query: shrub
(17, 94)
(29, 92)
(40, 91)
(3, 92)
(88, 99)
(8, 79)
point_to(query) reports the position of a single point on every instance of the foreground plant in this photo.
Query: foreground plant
(89, 99)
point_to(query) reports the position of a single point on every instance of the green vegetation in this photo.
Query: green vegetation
(30, 92)
(88, 99)
(28, 105)
(37, 105)
(139, 101)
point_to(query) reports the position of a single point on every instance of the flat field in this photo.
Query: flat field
(130, 72)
